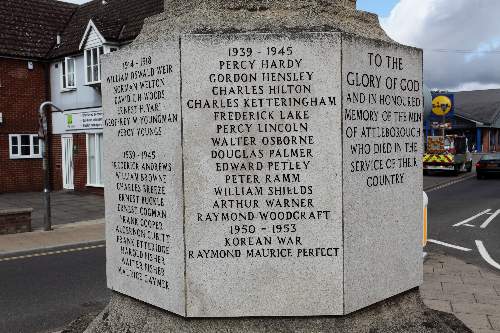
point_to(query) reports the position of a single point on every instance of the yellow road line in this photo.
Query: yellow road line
(49, 253)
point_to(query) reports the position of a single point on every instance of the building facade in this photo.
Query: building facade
(28, 33)
(96, 28)
(51, 50)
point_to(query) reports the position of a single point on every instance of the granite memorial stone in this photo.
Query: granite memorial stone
(265, 171)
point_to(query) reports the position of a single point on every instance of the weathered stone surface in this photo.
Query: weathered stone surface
(143, 168)
(403, 313)
(221, 16)
(382, 169)
(258, 281)
(240, 166)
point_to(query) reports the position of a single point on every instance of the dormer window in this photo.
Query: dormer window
(68, 74)
(93, 65)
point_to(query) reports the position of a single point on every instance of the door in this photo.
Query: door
(67, 162)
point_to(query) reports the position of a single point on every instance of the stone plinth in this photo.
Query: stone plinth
(403, 313)
(263, 159)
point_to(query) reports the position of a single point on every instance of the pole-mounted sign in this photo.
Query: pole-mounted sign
(442, 111)
(442, 104)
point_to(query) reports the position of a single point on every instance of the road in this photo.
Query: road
(45, 293)
(466, 217)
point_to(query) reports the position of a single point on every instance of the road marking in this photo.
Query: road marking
(49, 253)
(449, 245)
(440, 186)
(472, 218)
(492, 216)
(485, 255)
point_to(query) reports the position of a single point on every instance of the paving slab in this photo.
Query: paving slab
(474, 321)
(470, 290)
(62, 235)
(66, 206)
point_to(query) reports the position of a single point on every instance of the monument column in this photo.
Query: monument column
(263, 159)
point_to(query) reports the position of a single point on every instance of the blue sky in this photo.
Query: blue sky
(379, 7)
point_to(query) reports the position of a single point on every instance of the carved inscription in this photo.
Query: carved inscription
(262, 110)
(382, 179)
(255, 110)
(382, 120)
(143, 161)
(259, 174)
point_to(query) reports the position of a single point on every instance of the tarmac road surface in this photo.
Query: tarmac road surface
(45, 293)
(464, 221)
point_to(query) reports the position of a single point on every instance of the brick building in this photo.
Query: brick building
(96, 28)
(28, 32)
(50, 50)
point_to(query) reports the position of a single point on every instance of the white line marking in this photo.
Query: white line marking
(469, 225)
(485, 255)
(472, 218)
(53, 252)
(492, 216)
(449, 245)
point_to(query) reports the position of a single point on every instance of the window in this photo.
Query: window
(24, 146)
(93, 65)
(94, 159)
(68, 74)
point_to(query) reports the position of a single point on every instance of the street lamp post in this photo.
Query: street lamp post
(43, 135)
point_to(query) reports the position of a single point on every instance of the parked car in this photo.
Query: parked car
(488, 164)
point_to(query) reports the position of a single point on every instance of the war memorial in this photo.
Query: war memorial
(263, 173)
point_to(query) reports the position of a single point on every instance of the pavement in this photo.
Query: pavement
(71, 234)
(470, 292)
(66, 206)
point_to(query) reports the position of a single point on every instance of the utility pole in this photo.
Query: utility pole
(43, 135)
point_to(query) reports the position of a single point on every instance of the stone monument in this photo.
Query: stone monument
(262, 159)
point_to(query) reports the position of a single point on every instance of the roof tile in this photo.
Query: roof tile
(28, 28)
(117, 21)
(478, 105)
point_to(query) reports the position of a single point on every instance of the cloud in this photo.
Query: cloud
(460, 38)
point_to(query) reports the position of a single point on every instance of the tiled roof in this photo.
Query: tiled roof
(28, 28)
(478, 105)
(116, 20)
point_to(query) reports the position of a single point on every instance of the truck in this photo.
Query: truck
(448, 153)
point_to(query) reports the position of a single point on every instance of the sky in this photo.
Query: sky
(460, 38)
